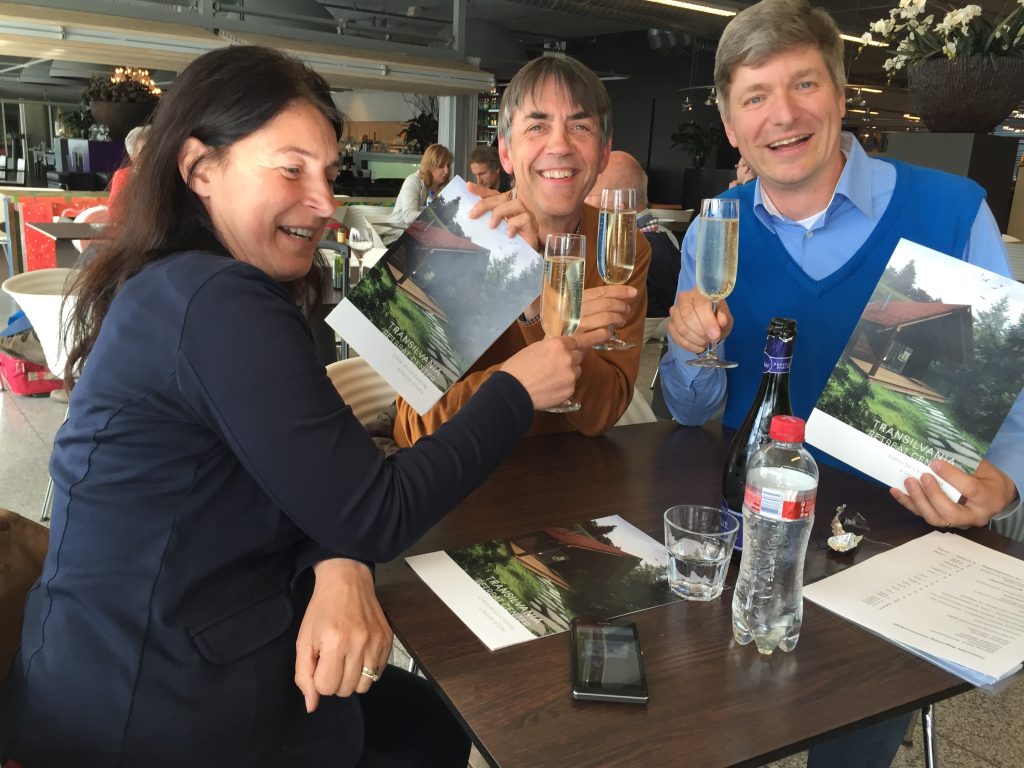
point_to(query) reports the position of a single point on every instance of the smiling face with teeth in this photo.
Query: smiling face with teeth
(270, 195)
(555, 151)
(785, 117)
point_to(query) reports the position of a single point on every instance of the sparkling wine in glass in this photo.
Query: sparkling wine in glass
(561, 295)
(718, 240)
(359, 242)
(616, 247)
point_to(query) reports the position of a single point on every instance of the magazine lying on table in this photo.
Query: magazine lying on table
(438, 298)
(930, 372)
(949, 600)
(512, 590)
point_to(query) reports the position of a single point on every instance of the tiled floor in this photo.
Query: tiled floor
(975, 730)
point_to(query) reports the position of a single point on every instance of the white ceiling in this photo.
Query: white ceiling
(502, 34)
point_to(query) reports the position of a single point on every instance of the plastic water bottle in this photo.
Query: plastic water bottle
(778, 512)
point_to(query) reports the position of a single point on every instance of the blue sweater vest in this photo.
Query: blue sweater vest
(929, 207)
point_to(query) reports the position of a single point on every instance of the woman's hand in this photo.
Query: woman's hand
(547, 369)
(342, 631)
(985, 494)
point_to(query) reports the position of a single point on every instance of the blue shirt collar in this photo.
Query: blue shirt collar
(854, 185)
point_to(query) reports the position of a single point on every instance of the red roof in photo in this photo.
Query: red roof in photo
(432, 236)
(580, 541)
(891, 314)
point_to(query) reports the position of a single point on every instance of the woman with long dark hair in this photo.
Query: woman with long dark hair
(207, 597)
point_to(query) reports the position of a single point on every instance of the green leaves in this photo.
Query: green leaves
(698, 139)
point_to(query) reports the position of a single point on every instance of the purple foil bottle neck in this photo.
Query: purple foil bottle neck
(778, 355)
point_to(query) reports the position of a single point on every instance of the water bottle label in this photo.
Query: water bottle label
(773, 503)
(778, 355)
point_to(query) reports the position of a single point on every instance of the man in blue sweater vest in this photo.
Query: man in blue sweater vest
(816, 231)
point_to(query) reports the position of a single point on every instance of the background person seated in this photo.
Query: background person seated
(133, 144)
(486, 168)
(420, 187)
(624, 172)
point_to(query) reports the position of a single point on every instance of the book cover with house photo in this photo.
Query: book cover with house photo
(933, 367)
(439, 297)
(512, 590)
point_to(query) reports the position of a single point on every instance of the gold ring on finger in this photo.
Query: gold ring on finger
(371, 672)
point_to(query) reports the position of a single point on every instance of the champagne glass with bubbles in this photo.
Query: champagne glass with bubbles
(616, 247)
(718, 240)
(561, 295)
(359, 242)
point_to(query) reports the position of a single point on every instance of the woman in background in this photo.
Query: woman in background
(422, 186)
(207, 598)
(133, 143)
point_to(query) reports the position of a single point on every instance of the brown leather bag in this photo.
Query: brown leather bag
(23, 545)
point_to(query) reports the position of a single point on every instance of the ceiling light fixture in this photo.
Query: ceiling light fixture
(699, 7)
(171, 48)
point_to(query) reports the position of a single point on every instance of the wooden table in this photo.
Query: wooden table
(712, 702)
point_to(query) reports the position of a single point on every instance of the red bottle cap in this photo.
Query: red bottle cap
(787, 429)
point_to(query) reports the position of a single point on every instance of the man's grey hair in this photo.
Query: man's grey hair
(134, 140)
(759, 32)
(585, 90)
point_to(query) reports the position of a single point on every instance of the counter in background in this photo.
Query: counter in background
(384, 165)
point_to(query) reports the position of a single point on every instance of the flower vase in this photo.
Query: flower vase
(970, 94)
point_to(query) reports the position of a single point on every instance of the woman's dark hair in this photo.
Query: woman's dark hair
(219, 98)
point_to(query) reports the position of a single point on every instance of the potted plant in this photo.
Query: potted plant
(965, 72)
(420, 132)
(75, 125)
(121, 101)
(698, 140)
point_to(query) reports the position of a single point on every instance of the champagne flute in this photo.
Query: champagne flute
(359, 243)
(616, 247)
(561, 294)
(718, 240)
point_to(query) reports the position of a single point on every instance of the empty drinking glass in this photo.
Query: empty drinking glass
(699, 542)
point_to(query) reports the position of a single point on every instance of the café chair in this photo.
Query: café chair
(23, 545)
(638, 412)
(42, 294)
(927, 717)
(361, 387)
(656, 330)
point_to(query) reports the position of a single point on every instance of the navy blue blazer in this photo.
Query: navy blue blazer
(206, 463)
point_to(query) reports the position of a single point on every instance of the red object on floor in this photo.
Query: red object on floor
(25, 378)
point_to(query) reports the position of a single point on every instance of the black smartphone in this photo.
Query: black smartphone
(607, 663)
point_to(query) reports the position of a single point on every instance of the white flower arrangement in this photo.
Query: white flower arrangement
(915, 35)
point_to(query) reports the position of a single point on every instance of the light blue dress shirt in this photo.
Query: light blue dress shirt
(865, 187)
